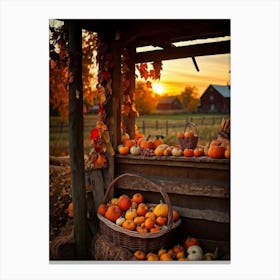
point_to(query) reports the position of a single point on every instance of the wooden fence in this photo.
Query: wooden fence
(59, 126)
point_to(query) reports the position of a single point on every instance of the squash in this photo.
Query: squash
(113, 212)
(135, 150)
(161, 210)
(177, 152)
(130, 214)
(120, 221)
(195, 253)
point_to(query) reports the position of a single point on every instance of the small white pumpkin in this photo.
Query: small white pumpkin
(135, 150)
(120, 221)
(195, 253)
(177, 152)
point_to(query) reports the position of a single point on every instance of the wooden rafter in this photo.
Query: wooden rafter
(184, 52)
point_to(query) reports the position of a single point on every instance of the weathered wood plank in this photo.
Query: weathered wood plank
(203, 214)
(198, 162)
(178, 187)
(196, 169)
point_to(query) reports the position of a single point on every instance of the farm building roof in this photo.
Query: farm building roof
(223, 90)
(167, 99)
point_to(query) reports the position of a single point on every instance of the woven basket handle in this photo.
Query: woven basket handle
(158, 188)
(191, 124)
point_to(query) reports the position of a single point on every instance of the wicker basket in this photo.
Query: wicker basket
(134, 240)
(189, 142)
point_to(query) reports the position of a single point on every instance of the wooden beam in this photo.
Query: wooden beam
(184, 52)
(76, 141)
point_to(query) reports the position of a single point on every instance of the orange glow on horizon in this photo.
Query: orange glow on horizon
(158, 88)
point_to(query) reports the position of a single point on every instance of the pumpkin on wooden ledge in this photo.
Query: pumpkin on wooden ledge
(146, 143)
(216, 150)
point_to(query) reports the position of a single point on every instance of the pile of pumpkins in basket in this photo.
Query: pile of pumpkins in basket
(217, 148)
(136, 215)
(189, 250)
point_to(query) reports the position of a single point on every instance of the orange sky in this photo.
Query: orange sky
(178, 73)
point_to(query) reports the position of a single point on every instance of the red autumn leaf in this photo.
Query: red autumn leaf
(148, 84)
(94, 134)
(142, 68)
(153, 74)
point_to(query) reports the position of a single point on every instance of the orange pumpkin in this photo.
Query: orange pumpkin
(146, 143)
(141, 229)
(142, 209)
(150, 215)
(167, 152)
(149, 223)
(171, 253)
(181, 135)
(113, 212)
(227, 153)
(166, 257)
(155, 229)
(176, 215)
(130, 143)
(161, 251)
(178, 248)
(189, 133)
(139, 255)
(129, 224)
(161, 220)
(124, 202)
(190, 241)
(138, 198)
(198, 152)
(188, 153)
(180, 255)
(159, 152)
(152, 257)
(216, 151)
(102, 209)
(123, 150)
(157, 141)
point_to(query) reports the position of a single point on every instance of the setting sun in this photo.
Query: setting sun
(158, 88)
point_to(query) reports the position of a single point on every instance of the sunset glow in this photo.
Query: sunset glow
(158, 88)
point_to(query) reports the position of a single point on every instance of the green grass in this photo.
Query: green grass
(166, 125)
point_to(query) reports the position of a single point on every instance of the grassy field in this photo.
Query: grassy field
(167, 125)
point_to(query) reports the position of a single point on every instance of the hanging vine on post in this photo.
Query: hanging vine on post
(99, 135)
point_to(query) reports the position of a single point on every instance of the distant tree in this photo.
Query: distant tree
(190, 98)
(145, 99)
(59, 65)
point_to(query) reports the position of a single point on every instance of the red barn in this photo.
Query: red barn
(215, 99)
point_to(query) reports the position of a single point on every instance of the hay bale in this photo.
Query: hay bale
(107, 251)
(63, 248)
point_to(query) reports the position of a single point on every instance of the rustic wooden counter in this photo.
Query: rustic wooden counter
(198, 187)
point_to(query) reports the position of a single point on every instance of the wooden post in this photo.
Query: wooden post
(76, 141)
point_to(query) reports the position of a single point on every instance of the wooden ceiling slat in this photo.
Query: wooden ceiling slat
(184, 52)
